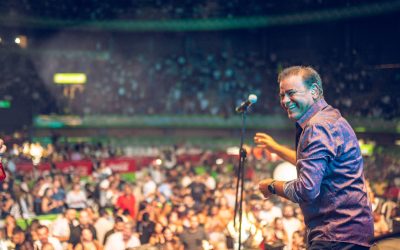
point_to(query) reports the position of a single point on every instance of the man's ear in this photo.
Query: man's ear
(315, 91)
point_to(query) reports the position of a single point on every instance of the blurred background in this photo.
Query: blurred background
(149, 87)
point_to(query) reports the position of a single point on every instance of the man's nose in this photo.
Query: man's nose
(285, 99)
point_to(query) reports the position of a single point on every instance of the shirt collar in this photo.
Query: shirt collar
(316, 107)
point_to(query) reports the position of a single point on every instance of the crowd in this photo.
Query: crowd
(169, 206)
(194, 75)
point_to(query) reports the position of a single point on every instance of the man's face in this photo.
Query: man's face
(127, 232)
(288, 212)
(295, 97)
(194, 222)
(43, 235)
(84, 218)
(18, 238)
(119, 226)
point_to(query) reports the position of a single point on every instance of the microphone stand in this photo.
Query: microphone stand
(240, 180)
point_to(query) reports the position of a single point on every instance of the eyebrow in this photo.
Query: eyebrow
(287, 91)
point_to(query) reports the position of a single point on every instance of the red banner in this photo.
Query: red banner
(27, 166)
(84, 167)
(121, 165)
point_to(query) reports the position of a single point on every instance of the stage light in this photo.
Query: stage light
(158, 162)
(70, 78)
(22, 41)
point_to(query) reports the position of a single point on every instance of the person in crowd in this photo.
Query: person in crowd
(298, 242)
(193, 237)
(87, 242)
(290, 223)
(279, 231)
(103, 224)
(269, 212)
(63, 225)
(10, 225)
(7, 201)
(157, 237)
(58, 194)
(328, 158)
(127, 201)
(44, 237)
(145, 227)
(172, 242)
(118, 227)
(175, 224)
(123, 240)
(20, 240)
(380, 225)
(215, 226)
(49, 205)
(84, 223)
(4, 243)
(76, 198)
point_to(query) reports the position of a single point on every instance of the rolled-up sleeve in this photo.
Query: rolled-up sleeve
(317, 147)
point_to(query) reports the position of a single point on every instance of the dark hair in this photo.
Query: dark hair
(17, 230)
(118, 219)
(102, 211)
(42, 226)
(310, 76)
(146, 217)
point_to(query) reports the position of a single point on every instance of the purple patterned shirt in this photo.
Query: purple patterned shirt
(330, 187)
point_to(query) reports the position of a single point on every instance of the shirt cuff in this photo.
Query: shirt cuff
(290, 192)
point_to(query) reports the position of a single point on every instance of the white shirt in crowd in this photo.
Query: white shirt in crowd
(149, 187)
(291, 225)
(116, 242)
(268, 217)
(102, 226)
(60, 227)
(53, 241)
(76, 200)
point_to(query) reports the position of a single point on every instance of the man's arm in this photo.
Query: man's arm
(266, 141)
(318, 149)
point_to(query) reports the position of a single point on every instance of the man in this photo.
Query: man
(20, 241)
(290, 223)
(123, 240)
(63, 226)
(103, 224)
(193, 237)
(118, 227)
(269, 212)
(330, 187)
(127, 201)
(44, 239)
(84, 222)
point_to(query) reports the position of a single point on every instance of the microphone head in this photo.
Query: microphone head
(253, 98)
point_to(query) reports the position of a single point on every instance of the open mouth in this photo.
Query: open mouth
(291, 107)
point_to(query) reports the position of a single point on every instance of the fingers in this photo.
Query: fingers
(262, 135)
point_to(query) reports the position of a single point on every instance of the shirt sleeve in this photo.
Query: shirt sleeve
(317, 148)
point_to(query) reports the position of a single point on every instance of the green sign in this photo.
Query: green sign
(5, 104)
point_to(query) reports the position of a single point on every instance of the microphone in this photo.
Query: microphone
(246, 104)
